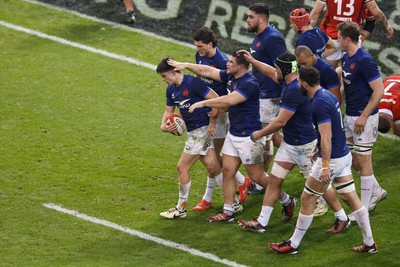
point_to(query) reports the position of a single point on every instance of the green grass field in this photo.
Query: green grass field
(81, 130)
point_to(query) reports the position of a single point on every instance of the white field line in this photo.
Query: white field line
(145, 236)
(390, 136)
(78, 45)
(114, 24)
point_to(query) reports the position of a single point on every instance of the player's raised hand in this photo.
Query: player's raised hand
(247, 55)
(177, 65)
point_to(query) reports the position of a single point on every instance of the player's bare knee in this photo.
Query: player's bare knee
(274, 182)
(307, 200)
(181, 168)
(214, 171)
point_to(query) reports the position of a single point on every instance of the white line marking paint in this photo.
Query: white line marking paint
(390, 136)
(142, 235)
(114, 24)
(78, 45)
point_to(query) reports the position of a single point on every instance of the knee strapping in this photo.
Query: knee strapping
(309, 191)
(278, 171)
(364, 149)
(351, 146)
(346, 187)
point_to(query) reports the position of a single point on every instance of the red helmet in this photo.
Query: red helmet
(300, 18)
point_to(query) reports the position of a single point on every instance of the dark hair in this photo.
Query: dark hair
(163, 66)
(260, 9)
(309, 75)
(287, 63)
(385, 123)
(206, 35)
(349, 29)
(240, 59)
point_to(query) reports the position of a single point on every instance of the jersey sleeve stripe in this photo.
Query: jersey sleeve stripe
(243, 94)
(324, 121)
(206, 93)
(374, 78)
(289, 108)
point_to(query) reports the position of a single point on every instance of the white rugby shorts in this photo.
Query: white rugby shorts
(370, 133)
(338, 54)
(198, 142)
(299, 155)
(222, 126)
(338, 167)
(269, 109)
(242, 147)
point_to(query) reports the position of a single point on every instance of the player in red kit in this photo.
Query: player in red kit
(345, 10)
(389, 106)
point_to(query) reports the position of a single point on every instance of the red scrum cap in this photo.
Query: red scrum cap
(300, 18)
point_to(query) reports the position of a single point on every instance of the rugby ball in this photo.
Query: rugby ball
(179, 122)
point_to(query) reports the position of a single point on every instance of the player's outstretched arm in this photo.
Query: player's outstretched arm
(201, 70)
(277, 124)
(220, 102)
(262, 67)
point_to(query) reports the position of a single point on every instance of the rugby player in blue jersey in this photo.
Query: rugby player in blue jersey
(329, 77)
(209, 54)
(299, 137)
(363, 88)
(182, 92)
(329, 80)
(333, 164)
(267, 45)
(314, 38)
(243, 104)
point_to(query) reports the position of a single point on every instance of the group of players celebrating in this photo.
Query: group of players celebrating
(236, 115)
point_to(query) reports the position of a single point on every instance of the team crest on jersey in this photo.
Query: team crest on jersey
(258, 44)
(352, 66)
(185, 92)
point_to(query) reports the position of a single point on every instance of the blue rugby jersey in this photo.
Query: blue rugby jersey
(299, 130)
(328, 76)
(244, 117)
(190, 91)
(357, 72)
(315, 39)
(266, 47)
(218, 61)
(326, 108)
